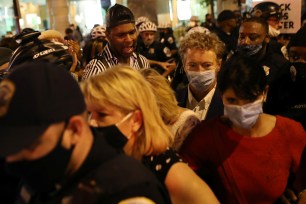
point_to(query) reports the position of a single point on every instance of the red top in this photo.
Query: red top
(260, 166)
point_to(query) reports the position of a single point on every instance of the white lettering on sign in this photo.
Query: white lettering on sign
(42, 53)
(291, 21)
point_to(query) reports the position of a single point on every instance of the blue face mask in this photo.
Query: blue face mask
(201, 81)
(244, 116)
(249, 50)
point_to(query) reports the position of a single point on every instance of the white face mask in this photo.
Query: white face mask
(273, 32)
(244, 116)
(201, 81)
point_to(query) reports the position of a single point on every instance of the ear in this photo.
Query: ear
(219, 63)
(137, 121)
(74, 131)
(265, 93)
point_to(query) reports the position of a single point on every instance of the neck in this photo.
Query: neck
(199, 95)
(121, 59)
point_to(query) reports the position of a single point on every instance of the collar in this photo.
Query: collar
(192, 103)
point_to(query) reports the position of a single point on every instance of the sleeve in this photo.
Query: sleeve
(196, 147)
(144, 61)
(160, 164)
(295, 136)
(184, 130)
(94, 67)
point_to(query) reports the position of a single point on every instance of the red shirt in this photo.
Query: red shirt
(260, 166)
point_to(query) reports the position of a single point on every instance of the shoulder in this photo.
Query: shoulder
(115, 180)
(289, 124)
(201, 136)
(161, 163)
(143, 60)
(290, 130)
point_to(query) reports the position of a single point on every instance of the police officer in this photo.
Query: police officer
(292, 97)
(272, 13)
(166, 37)
(46, 141)
(156, 52)
(94, 43)
(254, 43)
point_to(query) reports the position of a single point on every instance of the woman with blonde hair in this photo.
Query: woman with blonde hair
(121, 100)
(180, 120)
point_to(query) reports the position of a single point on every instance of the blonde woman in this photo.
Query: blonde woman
(120, 100)
(180, 120)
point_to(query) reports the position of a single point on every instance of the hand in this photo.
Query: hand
(288, 196)
(168, 66)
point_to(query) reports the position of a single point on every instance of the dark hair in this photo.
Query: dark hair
(246, 77)
(68, 30)
(118, 15)
(259, 20)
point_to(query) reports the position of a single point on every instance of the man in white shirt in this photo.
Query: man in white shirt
(202, 56)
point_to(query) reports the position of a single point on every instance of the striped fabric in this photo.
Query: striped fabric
(107, 60)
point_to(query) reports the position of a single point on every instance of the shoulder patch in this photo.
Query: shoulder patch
(170, 40)
(167, 51)
(137, 200)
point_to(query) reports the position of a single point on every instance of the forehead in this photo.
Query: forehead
(229, 92)
(148, 33)
(193, 54)
(124, 28)
(252, 27)
(101, 105)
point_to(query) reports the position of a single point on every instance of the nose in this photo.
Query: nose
(245, 41)
(129, 38)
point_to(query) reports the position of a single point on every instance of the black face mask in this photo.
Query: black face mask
(298, 71)
(42, 174)
(113, 136)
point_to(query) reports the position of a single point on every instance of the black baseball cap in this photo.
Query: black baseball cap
(118, 15)
(226, 15)
(32, 97)
(298, 39)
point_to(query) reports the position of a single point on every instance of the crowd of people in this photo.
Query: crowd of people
(133, 115)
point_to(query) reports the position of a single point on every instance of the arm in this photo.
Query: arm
(167, 66)
(184, 186)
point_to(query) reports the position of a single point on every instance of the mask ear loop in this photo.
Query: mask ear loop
(124, 119)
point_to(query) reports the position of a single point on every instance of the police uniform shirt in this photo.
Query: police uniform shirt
(156, 51)
(107, 60)
(169, 41)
